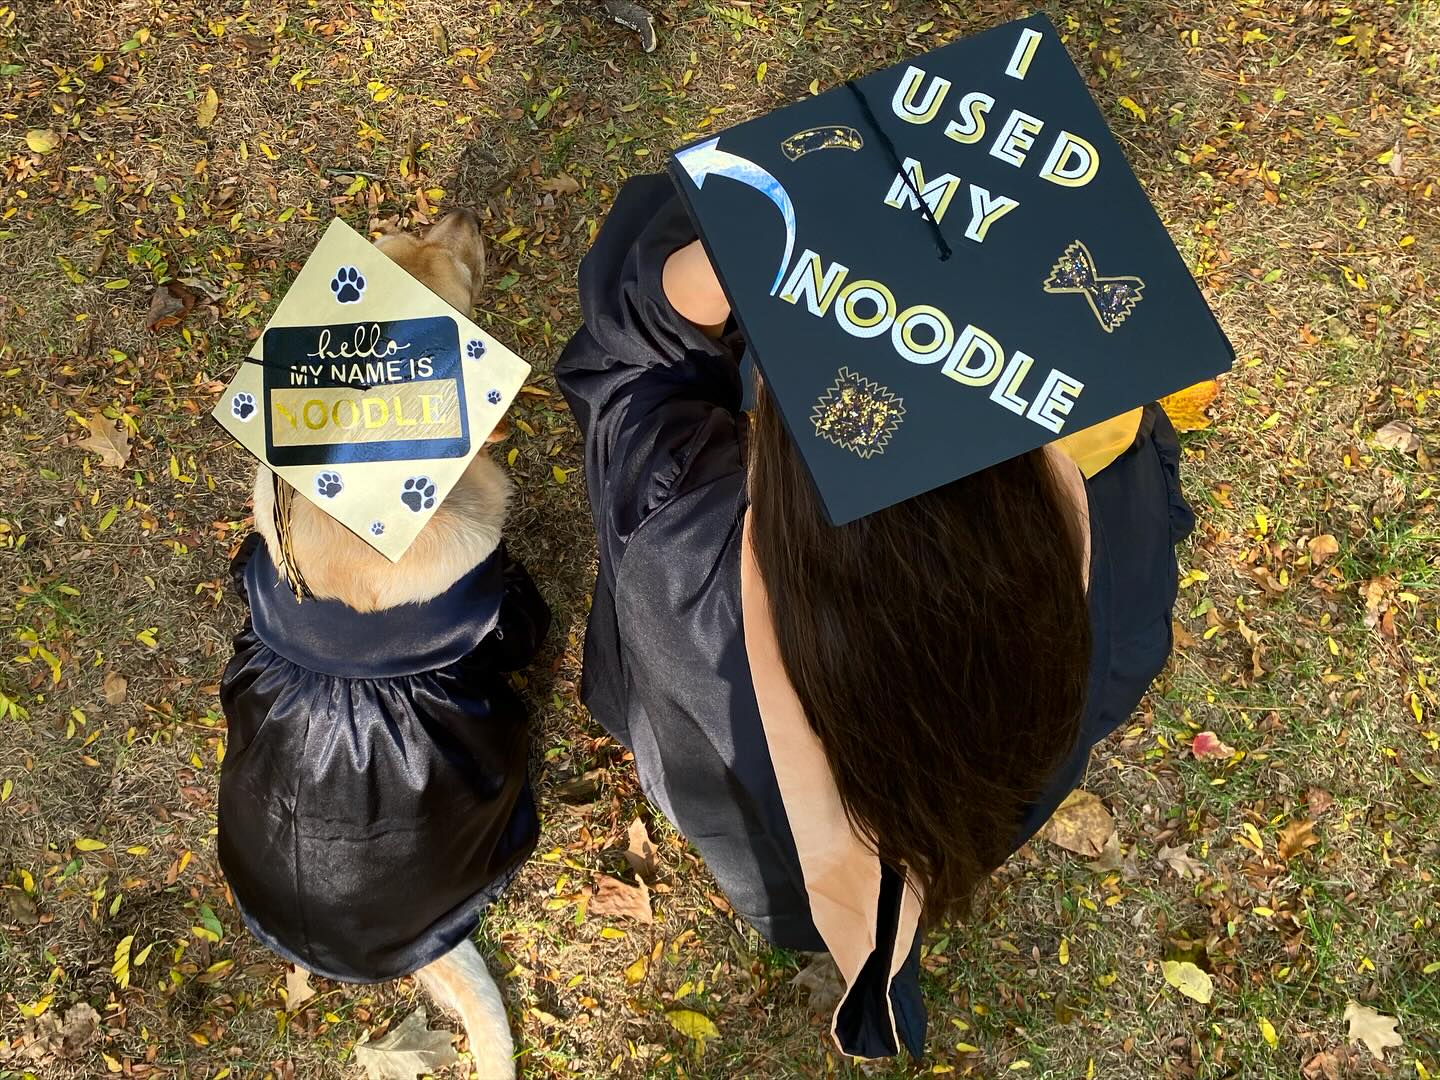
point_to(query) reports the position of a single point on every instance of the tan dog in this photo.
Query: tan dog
(465, 530)
(336, 564)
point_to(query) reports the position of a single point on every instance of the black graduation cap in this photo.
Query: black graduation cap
(945, 264)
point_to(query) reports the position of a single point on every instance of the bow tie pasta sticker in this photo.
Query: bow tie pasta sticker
(1110, 298)
(367, 393)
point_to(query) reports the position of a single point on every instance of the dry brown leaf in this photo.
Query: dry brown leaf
(1182, 637)
(1377, 592)
(614, 897)
(1111, 856)
(580, 790)
(1081, 824)
(562, 184)
(1397, 161)
(207, 108)
(115, 685)
(822, 980)
(41, 1040)
(1186, 408)
(1327, 1065)
(406, 1051)
(297, 988)
(1296, 837)
(1374, 1029)
(641, 854)
(254, 44)
(79, 1029)
(1267, 580)
(1207, 745)
(107, 439)
(1180, 860)
(1323, 547)
(1397, 435)
(21, 905)
(169, 303)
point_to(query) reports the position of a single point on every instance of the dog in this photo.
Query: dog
(375, 793)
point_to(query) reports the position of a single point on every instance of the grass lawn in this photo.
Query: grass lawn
(1292, 149)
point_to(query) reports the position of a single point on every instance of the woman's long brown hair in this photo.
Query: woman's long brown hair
(940, 648)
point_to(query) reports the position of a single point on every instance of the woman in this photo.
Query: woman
(853, 725)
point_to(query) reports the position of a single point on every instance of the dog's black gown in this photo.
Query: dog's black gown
(374, 796)
(666, 670)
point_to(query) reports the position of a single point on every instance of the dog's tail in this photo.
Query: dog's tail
(460, 981)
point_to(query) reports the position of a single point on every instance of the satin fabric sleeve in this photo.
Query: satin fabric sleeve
(653, 395)
(659, 405)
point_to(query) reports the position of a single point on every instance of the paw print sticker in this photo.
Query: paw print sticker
(328, 485)
(475, 349)
(242, 406)
(418, 494)
(493, 397)
(377, 528)
(348, 285)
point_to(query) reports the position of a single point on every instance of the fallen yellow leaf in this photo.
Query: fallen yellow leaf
(1130, 106)
(1189, 980)
(42, 140)
(121, 968)
(207, 108)
(692, 1025)
(1186, 408)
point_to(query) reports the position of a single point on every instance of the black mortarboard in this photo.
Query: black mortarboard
(945, 264)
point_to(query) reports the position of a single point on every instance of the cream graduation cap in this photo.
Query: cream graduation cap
(945, 264)
(367, 393)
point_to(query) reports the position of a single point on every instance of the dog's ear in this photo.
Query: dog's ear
(500, 434)
(458, 232)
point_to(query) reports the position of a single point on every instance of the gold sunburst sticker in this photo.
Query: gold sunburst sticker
(857, 414)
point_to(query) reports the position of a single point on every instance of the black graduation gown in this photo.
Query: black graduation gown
(374, 796)
(666, 671)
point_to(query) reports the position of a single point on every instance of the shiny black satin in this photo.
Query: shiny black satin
(374, 796)
(666, 671)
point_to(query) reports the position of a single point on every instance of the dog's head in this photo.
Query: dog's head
(449, 260)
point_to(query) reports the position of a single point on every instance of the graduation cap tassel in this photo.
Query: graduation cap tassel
(940, 245)
(284, 501)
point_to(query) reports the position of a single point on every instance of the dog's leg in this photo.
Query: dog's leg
(460, 981)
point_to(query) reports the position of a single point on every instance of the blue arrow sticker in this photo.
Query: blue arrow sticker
(705, 158)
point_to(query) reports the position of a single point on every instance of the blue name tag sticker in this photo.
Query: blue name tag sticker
(367, 391)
